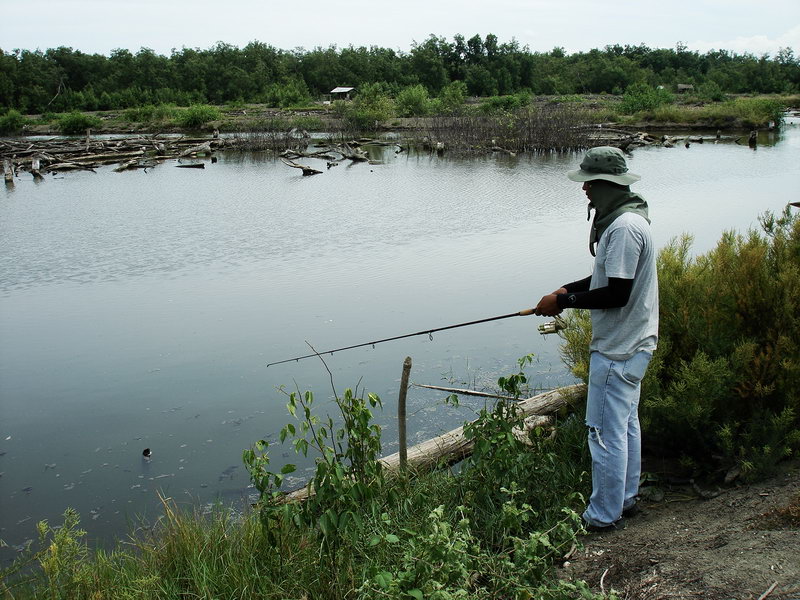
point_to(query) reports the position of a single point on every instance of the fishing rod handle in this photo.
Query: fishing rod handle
(526, 312)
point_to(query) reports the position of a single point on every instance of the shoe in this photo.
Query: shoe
(632, 511)
(617, 525)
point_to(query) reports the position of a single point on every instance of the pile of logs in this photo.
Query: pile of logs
(61, 154)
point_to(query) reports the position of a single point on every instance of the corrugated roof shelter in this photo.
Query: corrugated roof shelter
(342, 92)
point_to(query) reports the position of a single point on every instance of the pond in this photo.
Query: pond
(140, 309)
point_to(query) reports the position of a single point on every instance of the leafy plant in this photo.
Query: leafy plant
(76, 123)
(641, 96)
(197, 115)
(413, 101)
(12, 122)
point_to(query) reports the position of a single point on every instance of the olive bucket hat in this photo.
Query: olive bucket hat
(604, 162)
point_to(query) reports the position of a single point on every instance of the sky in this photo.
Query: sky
(100, 26)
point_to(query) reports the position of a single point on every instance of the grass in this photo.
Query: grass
(738, 113)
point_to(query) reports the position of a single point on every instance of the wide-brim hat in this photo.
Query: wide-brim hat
(604, 162)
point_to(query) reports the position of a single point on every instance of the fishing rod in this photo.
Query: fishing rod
(551, 327)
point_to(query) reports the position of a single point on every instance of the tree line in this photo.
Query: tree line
(61, 79)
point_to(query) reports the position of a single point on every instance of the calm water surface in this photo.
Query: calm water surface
(139, 309)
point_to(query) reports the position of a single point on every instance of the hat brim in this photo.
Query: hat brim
(625, 179)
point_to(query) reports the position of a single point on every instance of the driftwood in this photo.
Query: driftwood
(204, 148)
(452, 446)
(192, 166)
(306, 170)
(354, 154)
(62, 154)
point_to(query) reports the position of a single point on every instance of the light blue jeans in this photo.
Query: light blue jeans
(615, 443)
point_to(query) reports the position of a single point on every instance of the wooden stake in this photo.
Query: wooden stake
(401, 413)
(9, 172)
(35, 168)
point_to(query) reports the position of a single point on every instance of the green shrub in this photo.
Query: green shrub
(197, 115)
(413, 101)
(710, 91)
(151, 113)
(453, 96)
(641, 96)
(725, 379)
(505, 103)
(12, 122)
(76, 123)
(291, 93)
(370, 108)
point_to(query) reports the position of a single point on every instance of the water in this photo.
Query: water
(139, 309)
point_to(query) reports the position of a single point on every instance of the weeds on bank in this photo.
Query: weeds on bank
(493, 530)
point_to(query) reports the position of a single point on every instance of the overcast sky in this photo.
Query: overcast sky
(99, 26)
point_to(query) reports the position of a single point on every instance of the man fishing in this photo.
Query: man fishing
(622, 295)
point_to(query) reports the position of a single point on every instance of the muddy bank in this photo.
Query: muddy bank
(737, 544)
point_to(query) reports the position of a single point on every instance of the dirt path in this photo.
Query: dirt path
(734, 546)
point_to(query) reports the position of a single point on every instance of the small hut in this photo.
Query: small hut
(341, 93)
(684, 88)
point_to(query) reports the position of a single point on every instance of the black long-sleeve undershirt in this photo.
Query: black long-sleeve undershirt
(615, 295)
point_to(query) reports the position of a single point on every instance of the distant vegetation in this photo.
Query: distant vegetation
(431, 77)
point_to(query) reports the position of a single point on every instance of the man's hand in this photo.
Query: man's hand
(548, 305)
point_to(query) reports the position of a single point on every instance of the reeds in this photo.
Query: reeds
(548, 128)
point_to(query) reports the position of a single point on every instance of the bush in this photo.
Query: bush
(76, 123)
(453, 96)
(12, 122)
(710, 92)
(197, 115)
(369, 109)
(283, 95)
(505, 103)
(413, 101)
(641, 96)
(725, 379)
(151, 114)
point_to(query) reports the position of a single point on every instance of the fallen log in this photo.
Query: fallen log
(306, 170)
(70, 166)
(204, 148)
(107, 156)
(453, 446)
(192, 166)
(352, 154)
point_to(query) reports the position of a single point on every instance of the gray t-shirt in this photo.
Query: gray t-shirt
(625, 250)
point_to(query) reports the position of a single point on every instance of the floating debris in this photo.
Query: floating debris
(147, 453)
(228, 473)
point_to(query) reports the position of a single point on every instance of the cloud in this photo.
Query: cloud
(756, 44)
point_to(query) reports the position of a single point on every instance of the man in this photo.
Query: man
(622, 295)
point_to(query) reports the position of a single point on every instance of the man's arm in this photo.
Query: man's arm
(578, 295)
(615, 295)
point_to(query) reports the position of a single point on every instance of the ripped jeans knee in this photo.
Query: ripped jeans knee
(596, 437)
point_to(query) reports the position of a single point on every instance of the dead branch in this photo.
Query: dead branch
(306, 170)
